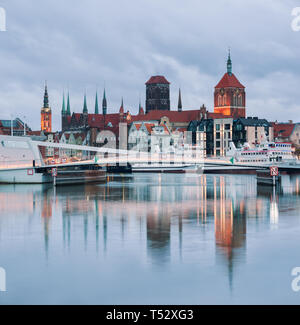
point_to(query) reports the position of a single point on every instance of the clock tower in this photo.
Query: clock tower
(230, 95)
(46, 114)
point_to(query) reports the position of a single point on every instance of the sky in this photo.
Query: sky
(80, 46)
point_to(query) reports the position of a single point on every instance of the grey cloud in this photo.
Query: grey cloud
(82, 44)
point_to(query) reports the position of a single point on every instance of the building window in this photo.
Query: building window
(218, 144)
(219, 100)
(218, 127)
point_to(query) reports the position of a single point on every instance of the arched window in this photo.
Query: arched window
(234, 100)
(224, 100)
(240, 100)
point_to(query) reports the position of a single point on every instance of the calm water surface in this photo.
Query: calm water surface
(151, 239)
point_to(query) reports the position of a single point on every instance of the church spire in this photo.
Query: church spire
(85, 110)
(63, 110)
(68, 105)
(96, 104)
(121, 111)
(104, 103)
(179, 101)
(46, 97)
(229, 64)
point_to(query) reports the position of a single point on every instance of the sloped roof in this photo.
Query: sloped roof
(97, 120)
(229, 81)
(253, 121)
(157, 80)
(173, 116)
(283, 129)
(149, 127)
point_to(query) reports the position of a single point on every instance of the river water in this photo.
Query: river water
(151, 239)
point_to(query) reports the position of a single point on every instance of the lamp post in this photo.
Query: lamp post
(11, 126)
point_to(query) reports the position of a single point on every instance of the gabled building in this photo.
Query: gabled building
(150, 137)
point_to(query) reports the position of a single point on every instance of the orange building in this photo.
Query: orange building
(46, 114)
(230, 96)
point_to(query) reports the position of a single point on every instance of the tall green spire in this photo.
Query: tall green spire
(96, 104)
(68, 106)
(104, 104)
(63, 110)
(229, 64)
(85, 110)
(46, 97)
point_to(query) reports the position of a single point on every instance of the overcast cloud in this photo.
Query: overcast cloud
(82, 44)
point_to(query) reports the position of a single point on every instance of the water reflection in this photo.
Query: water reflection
(166, 216)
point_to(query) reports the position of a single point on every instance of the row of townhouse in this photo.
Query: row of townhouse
(212, 134)
(154, 137)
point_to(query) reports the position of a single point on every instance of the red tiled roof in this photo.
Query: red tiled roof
(157, 80)
(97, 120)
(149, 127)
(229, 81)
(283, 129)
(173, 116)
(138, 126)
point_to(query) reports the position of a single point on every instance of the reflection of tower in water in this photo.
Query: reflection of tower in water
(159, 229)
(46, 214)
(230, 227)
(158, 235)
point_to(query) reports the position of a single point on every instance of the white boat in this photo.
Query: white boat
(265, 154)
(26, 175)
(21, 162)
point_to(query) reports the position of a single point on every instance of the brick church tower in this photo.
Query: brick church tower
(157, 94)
(230, 96)
(46, 114)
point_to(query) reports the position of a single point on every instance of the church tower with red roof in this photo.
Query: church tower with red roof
(230, 95)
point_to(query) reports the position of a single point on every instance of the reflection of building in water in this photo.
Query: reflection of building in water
(158, 235)
(230, 227)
